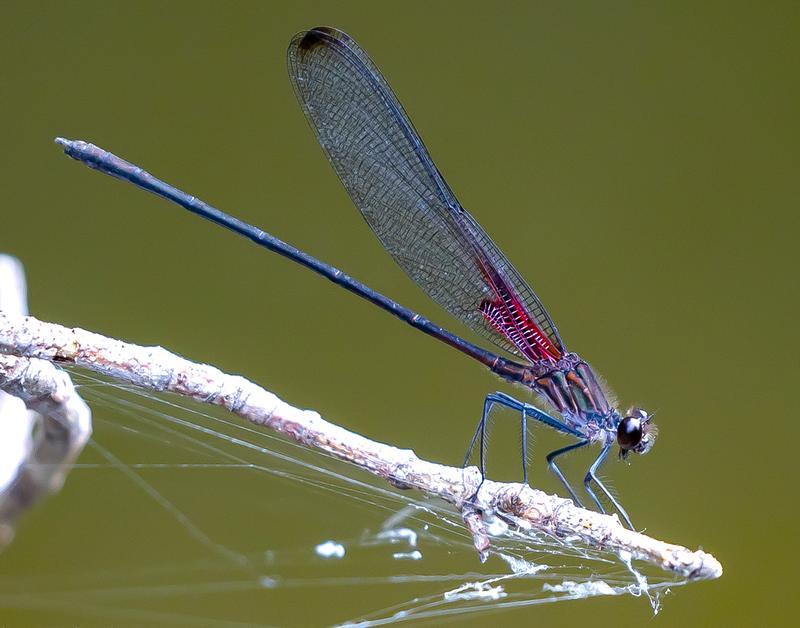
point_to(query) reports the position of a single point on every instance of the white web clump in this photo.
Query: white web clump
(236, 513)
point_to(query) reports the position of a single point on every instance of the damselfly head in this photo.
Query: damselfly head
(636, 432)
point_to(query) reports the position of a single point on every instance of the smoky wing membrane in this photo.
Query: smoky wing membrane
(390, 176)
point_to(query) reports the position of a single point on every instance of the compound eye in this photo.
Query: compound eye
(629, 432)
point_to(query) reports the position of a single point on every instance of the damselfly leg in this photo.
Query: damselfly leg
(526, 411)
(591, 476)
(551, 462)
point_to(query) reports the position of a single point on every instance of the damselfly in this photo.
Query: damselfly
(391, 178)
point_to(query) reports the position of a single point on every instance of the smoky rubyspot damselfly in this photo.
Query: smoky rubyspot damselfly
(391, 178)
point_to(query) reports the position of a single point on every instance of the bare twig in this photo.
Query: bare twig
(156, 369)
(33, 393)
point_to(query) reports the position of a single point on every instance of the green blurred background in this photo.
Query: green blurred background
(637, 162)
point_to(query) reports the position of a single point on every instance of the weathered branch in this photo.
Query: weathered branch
(33, 462)
(156, 369)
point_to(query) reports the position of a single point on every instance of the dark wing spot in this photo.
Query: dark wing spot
(320, 36)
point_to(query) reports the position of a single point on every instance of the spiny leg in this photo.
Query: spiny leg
(488, 404)
(523, 427)
(591, 476)
(479, 432)
(551, 462)
(526, 410)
